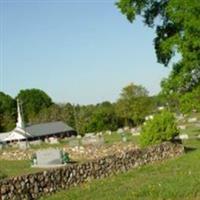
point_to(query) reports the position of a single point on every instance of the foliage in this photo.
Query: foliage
(7, 112)
(190, 101)
(103, 118)
(161, 128)
(33, 100)
(177, 33)
(133, 104)
(131, 109)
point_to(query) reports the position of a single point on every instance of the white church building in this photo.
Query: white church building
(24, 132)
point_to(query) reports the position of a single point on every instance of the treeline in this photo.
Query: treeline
(130, 109)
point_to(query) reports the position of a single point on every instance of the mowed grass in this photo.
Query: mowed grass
(116, 137)
(16, 167)
(177, 179)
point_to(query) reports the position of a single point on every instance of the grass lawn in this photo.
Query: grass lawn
(173, 179)
(16, 167)
(116, 137)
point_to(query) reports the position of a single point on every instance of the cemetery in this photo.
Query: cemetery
(32, 186)
(90, 148)
(69, 129)
(77, 159)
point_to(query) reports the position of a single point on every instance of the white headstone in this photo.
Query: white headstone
(53, 140)
(191, 120)
(120, 130)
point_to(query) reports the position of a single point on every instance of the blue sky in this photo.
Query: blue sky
(78, 51)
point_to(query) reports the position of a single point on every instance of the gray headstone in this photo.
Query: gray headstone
(74, 142)
(23, 145)
(48, 157)
(94, 140)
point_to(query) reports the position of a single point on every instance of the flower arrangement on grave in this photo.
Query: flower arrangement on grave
(65, 157)
(34, 159)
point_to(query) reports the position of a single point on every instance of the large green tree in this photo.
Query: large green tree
(7, 112)
(133, 104)
(103, 118)
(177, 25)
(33, 101)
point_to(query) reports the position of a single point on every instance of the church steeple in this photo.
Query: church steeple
(20, 123)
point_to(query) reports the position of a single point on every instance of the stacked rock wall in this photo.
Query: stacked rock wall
(33, 186)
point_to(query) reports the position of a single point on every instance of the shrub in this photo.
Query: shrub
(161, 128)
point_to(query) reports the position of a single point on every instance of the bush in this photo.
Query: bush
(161, 128)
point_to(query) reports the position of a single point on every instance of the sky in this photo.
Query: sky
(78, 51)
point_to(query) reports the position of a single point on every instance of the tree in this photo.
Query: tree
(33, 101)
(133, 104)
(68, 114)
(177, 25)
(48, 114)
(104, 118)
(190, 101)
(7, 112)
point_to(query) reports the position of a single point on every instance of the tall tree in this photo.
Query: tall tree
(103, 118)
(133, 104)
(7, 112)
(177, 24)
(33, 100)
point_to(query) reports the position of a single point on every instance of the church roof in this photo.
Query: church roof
(50, 128)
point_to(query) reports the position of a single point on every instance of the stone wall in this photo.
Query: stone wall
(33, 186)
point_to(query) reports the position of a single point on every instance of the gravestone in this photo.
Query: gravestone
(89, 134)
(73, 142)
(192, 120)
(93, 140)
(183, 137)
(23, 145)
(48, 158)
(53, 140)
(120, 130)
(109, 132)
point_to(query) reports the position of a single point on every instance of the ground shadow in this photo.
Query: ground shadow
(189, 149)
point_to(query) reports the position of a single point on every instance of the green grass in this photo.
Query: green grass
(116, 137)
(16, 167)
(172, 179)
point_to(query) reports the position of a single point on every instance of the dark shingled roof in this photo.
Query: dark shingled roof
(50, 128)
